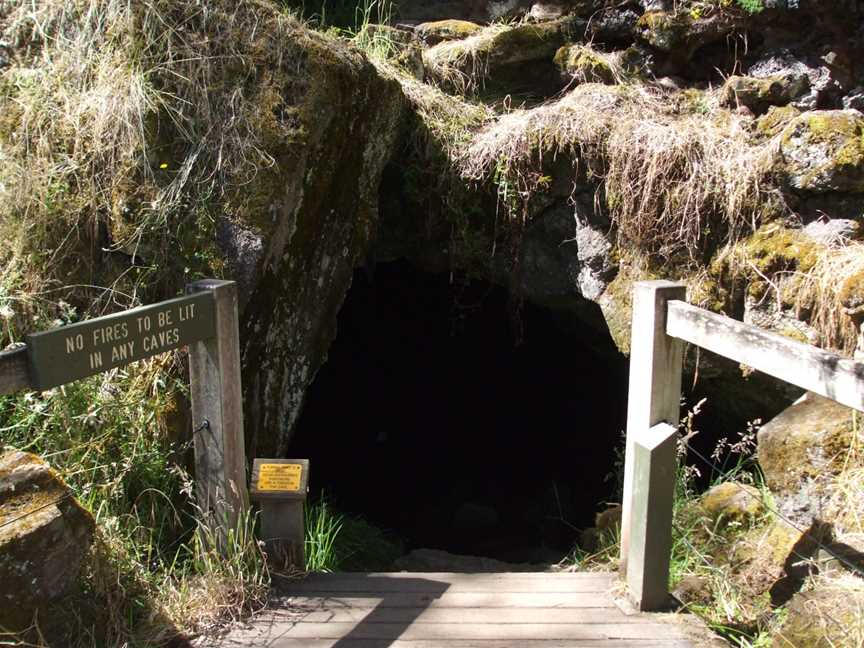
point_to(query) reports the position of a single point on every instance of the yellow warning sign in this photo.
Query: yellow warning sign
(279, 477)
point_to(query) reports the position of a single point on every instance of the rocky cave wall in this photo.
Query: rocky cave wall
(374, 178)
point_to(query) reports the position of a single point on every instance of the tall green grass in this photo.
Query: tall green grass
(339, 542)
(154, 571)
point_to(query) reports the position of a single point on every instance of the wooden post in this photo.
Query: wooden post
(217, 411)
(654, 391)
(14, 370)
(281, 486)
(654, 465)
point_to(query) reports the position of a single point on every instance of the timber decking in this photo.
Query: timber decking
(428, 610)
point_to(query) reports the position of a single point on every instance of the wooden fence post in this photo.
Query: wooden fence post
(654, 467)
(217, 411)
(654, 391)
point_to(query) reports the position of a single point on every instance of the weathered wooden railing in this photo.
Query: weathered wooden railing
(662, 322)
(205, 320)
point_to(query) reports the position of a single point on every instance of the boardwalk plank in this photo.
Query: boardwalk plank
(288, 642)
(326, 613)
(451, 583)
(462, 600)
(450, 631)
(417, 610)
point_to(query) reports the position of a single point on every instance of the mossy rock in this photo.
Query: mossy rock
(500, 58)
(446, 30)
(851, 293)
(663, 30)
(828, 615)
(759, 94)
(585, 64)
(772, 249)
(44, 536)
(823, 151)
(680, 33)
(776, 120)
(733, 502)
(802, 449)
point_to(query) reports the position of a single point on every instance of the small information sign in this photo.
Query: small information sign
(279, 477)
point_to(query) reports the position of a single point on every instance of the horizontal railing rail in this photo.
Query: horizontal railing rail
(811, 368)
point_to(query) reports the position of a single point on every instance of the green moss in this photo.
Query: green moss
(774, 248)
(448, 29)
(824, 151)
(585, 64)
(775, 120)
(851, 292)
(663, 30)
(528, 41)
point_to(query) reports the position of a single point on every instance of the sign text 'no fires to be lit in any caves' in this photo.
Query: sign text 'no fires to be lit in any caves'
(67, 353)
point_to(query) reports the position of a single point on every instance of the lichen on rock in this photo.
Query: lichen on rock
(823, 151)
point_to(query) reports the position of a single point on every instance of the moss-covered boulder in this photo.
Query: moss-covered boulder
(759, 94)
(446, 30)
(585, 64)
(501, 59)
(823, 151)
(800, 452)
(829, 614)
(334, 120)
(680, 33)
(733, 502)
(44, 536)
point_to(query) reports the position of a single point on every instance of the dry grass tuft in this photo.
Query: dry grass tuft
(123, 124)
(669, 179)
(462, 65)
(831, 292)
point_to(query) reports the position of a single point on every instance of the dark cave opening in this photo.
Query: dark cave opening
(428, 421)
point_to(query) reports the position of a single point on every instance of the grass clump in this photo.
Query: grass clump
(672, 183)
(339, 542)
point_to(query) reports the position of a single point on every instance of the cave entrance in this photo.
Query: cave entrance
(428, 421)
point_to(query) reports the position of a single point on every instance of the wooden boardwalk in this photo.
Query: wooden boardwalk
(488, 610)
